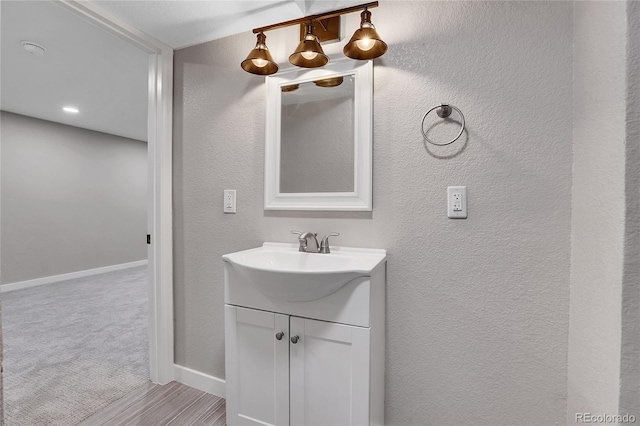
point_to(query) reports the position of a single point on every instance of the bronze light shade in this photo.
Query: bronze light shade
(329, 82)
(365, 43)
(259, 60)
(309, 53)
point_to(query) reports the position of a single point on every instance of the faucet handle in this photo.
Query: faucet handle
(302, 241)
(324, 244)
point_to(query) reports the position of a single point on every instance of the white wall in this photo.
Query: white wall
(72, 199)
(603, 336)
(477, 309)
(630, 357)
(597, 207)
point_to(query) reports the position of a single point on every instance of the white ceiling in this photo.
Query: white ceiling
(182, 23)
(99, 73)
(84, 66)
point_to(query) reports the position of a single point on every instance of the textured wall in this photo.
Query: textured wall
(598, 207)
(1, 371)
(477, 309)
(630, 361)
(72, 199)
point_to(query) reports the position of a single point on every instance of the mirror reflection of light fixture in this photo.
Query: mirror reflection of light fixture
(365, 43)
(290, 88)
(259, 60)
(329, 82)
(309, 53)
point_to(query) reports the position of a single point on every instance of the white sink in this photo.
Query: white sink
(282, 272)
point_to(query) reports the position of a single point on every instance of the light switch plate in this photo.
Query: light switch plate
(457, 202)
(229, 202)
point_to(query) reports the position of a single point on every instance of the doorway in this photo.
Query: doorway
(158, 119)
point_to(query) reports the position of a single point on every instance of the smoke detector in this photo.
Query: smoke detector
(33, 48)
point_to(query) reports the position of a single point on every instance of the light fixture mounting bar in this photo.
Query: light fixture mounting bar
(317, 17)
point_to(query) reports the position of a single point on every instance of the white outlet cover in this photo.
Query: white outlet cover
(229, 201)
(457, 202)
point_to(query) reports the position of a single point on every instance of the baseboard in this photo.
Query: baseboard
(63, 277)
(200, 381)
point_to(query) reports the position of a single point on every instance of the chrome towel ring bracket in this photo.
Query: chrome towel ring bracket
(443, 111)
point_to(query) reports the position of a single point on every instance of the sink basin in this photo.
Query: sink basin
(282, 272)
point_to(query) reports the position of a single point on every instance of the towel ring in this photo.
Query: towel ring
(444, 111)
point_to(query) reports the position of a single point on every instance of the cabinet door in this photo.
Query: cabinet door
(257, 367)
(329, 374)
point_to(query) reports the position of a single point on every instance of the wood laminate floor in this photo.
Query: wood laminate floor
(158, 405)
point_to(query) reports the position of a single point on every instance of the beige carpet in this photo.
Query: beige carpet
(73, 347)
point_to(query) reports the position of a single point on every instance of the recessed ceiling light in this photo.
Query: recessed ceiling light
(71, 110)
(33, 48)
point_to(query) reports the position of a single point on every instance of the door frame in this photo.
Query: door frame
(159, 207)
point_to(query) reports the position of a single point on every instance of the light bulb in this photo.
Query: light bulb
(309, 55)
(260, 62)
(365, 44)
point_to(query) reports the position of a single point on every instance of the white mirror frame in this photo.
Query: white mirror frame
(361, 197)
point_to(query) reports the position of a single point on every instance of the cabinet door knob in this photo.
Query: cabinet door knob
(294, 339)
(280, 335)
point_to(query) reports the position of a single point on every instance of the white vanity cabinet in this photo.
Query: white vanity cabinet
(257, 367)
(329, 373)
(315, 362)
(321, 379)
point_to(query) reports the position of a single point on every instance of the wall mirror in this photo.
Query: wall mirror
(318, 150)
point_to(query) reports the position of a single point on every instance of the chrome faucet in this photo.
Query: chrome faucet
(324, 245)
(305, 237)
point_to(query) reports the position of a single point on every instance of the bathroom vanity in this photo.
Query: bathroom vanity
(304, 336)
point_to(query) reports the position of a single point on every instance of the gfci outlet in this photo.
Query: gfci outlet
(457, 202)
(229, 205)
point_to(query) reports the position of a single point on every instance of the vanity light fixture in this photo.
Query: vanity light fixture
(259, 60)
(365, 43)
(309, 53)
(71, 110)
